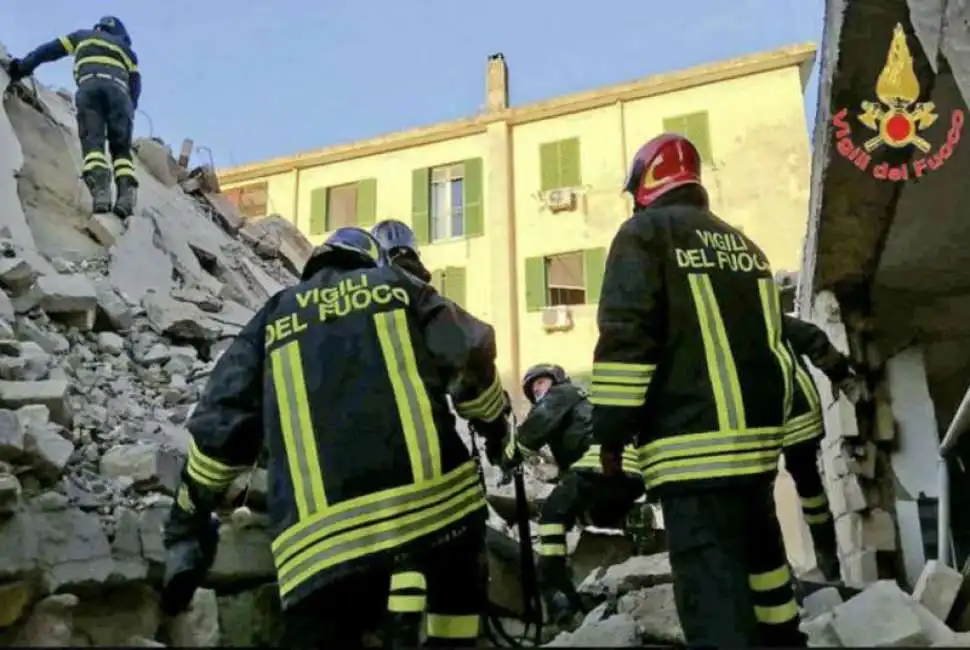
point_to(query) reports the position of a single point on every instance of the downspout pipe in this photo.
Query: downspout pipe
(959, 424)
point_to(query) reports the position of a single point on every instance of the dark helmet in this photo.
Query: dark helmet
(394, 235)
(665, 163)
(113, 25)
(550, 370)
(349, 245)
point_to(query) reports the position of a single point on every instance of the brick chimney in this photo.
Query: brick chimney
(496, 84)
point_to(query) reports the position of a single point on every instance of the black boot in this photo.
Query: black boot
(99, 184)
(125, 205)
(828, 564)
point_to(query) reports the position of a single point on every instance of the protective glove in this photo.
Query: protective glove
(611, 462)
(16, 70)
(187, 562)
(854, 388)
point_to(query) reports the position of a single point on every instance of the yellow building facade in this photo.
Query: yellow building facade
(516, 207)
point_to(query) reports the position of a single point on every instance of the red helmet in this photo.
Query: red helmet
(667, 162)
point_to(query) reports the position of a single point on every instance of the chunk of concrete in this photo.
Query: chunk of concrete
(821, 601)
(10, 495)
(637, 572)
(197, 627)
(158, 160)
(251, 618)
(112, 307)
(11, 436)
(51, 623)
(244, 554)
(937, 588)
(129, 565)
(150, 523)
(51, 393)
(112, 616)
(179, 319)
(618, 631)
(149, 465)
(65, 294)
(73, 550)
(18, 546)
(655, 612)
(105, 228)
(17, 274)
(883, 616)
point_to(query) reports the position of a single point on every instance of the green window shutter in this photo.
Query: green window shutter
(318, 211)
(367, 202)
(549, 166)
(535, 283)
(570, 173)
(455, 284)
(696, 128)
(594, 265)
(675, 125)
(438, 281)
(420, 204)
(474, 206)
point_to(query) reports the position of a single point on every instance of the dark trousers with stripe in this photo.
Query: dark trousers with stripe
(801, 461)
(732, 585)
(339, 615)
(441, 585)
(581, 496)
(104, 113)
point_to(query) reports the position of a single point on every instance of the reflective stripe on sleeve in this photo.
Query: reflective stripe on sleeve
(208, 471)
(620, 384)
(299, 440)
(68, 45)
(771, 310)
(487, 406)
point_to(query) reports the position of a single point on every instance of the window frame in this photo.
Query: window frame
(447, 175)
(330, 226)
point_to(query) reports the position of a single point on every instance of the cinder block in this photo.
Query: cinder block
(878, 530)
(937, 588)
(881, 616)
(860, 569)
(846, 495)
(848, 533)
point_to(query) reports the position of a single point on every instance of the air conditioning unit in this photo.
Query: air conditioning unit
(557, 319)
(561, 200)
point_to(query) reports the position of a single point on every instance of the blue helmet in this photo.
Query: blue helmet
(394, 236)
(113, 25)
(347, 244)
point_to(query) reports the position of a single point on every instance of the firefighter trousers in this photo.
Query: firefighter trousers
(580, 497)
(732, 584)
(801, 461)
(104, 112)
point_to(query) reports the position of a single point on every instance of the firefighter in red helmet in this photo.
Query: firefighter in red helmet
(691, 367)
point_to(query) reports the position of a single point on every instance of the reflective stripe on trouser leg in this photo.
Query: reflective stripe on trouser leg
(816, 509)
(552, 540)
(95, 160)
(774, 601)
(410, 395)
(302, 456)
(123, 167)
(406, 604)
(450, 629)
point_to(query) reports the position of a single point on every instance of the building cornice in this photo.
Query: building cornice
(662, 84)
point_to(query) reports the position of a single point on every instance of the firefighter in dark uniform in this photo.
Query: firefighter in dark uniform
(692, 364)
(401, 245)
(373, 492)
(108, 89)
(805, 430)
(561, 417)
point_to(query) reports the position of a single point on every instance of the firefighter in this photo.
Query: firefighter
(375, 500)
(691, 363)
(401, 245)
(108, 89)
(805, 430)
(561, 417)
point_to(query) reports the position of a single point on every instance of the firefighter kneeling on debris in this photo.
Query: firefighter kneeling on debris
(376, 502)
(691, 364)
(561, 417)
(108, 89)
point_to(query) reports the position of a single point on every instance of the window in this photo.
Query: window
(573, 278)
(447, 202)
(559, 164)
(338, 206)
(252, 200)
(696, 128)
(450, 283)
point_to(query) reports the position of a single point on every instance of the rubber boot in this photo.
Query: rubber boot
(555, 579)
(99, 184)
(125, 205)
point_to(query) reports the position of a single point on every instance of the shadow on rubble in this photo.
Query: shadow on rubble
(53, 197)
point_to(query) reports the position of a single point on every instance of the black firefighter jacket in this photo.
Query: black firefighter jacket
(345, 376)
(807, 340)
(563, 419)
(690, 359)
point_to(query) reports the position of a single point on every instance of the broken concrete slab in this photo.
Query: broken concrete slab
(138, 266)
(62, 294)
(937, 588)
(244, 554)
(148, 465)
(51, 393)
(158, 160)
(105, 228)
(885, 616)
(179, 319)
(637, 572)
(72, 548)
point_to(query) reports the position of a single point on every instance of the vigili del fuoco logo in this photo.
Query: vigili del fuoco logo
(897, 121)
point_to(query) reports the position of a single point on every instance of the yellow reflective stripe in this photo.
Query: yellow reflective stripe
(513, 444)
(758, 461)
(815, 502)
(410, 395)
(776, 615)
(807, 385)
(208, 471)
(802, 428)
(552, 550)
(769, 580)
(630, 460)
(184, 500)
(817, 518)
(487, 406)
(552, 529)
(95, 160)
(302, 456)
(444, 626)
(614, 395)
(771, 309)
(721, 368)
(125, 62)
(397, 524)
(408, 580)
(122, 162)
(68, 45)
(407, 604)
(98, 60)
(614, 372)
